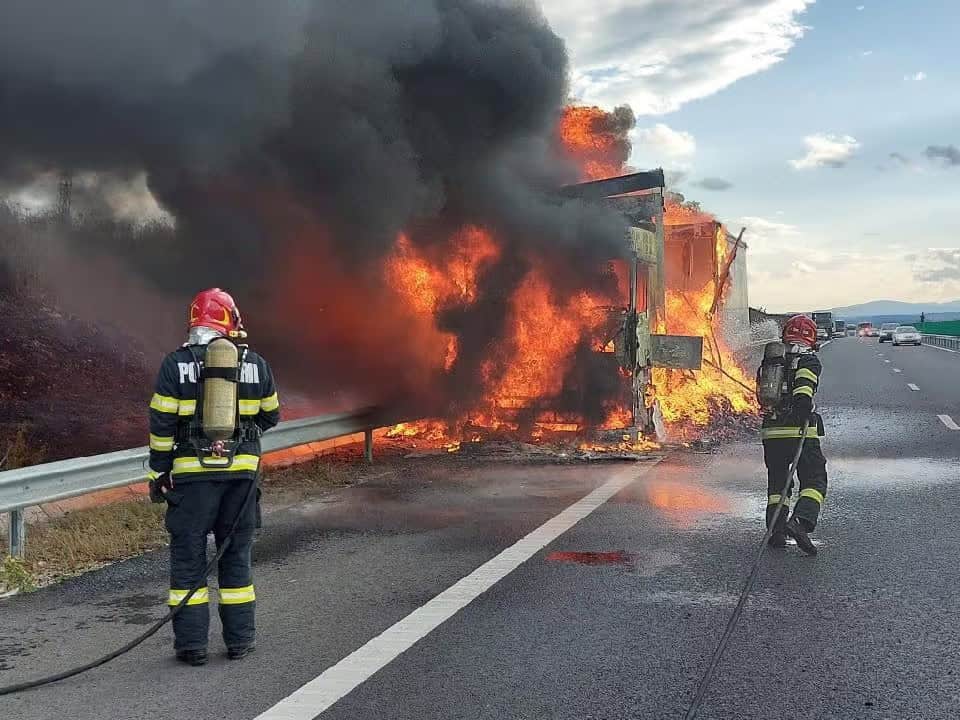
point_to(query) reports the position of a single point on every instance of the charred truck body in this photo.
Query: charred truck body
(632, 348)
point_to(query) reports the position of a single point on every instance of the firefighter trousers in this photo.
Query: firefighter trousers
(195, 509)
(811, 472)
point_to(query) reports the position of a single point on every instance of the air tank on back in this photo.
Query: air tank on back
(220, 392)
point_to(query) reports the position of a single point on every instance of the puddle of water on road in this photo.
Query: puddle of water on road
(869, 472)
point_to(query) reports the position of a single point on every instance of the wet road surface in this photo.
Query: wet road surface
(615, 618)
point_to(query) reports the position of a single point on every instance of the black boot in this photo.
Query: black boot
(192, 657)
(778, 540)
(238, 652)
(795, 529)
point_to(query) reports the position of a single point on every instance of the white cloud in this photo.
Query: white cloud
(866, 53)
(916, 77)
(860, 7)
(658, 55)
(768, 232)
(662, 145)
(826, 151)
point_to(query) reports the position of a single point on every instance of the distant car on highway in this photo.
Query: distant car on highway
(851, 332)
(906, 335)
(865, 329)
(886, 331)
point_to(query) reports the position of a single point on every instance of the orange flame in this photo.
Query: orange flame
(598, 153)
(688, 400)
(545, 334)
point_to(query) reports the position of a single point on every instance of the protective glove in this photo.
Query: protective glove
(160, 486)
(802, 409)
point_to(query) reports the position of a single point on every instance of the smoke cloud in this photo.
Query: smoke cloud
(289, 143)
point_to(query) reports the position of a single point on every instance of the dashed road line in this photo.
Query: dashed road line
(897, 370)
(342, 678)
(913, 387)
(886, 361)
(948, 421)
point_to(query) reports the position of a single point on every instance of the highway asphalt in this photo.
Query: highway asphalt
(866, 630)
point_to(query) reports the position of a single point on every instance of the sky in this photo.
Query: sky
(830, 130)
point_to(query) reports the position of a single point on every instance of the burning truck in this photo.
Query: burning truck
(650, 357)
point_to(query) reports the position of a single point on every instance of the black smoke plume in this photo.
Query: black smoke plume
(290, 142)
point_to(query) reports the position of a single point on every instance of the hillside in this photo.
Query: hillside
(69, 386)
(876, 308)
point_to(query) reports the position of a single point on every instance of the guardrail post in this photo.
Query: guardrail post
(18, 533)
(368, 445)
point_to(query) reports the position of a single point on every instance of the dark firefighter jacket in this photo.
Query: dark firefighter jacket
(174, 404)
(801, 380)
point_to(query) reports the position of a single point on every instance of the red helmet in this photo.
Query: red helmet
(215, 309)
(800, 330)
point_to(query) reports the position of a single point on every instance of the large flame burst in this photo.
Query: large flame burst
(519, 370)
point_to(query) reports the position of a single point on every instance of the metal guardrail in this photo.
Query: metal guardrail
(49, 482)
(947, 342)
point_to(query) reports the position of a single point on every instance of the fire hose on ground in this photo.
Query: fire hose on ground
(152, 630)
(748, 586)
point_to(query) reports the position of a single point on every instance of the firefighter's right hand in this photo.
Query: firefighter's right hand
(159, 487)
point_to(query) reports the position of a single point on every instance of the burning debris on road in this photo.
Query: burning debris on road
(380, 188)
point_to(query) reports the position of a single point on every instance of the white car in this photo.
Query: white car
(906, 335)
(886, 331)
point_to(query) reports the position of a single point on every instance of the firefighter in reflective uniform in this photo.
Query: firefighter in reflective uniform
(204, 462)
(789, 405)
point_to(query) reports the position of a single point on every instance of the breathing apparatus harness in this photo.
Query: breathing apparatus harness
(215, 440)
(775, 378)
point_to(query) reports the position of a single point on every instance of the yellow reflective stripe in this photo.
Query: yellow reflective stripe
(188, 407)
(773, 499)
(249, 407)
(803, 390)
(803, 373)
(160, 443)
(241, 463)
(200, 597)
(153, 474)
(814, 495)
(164, 403)
(269, 404)
(237, 596)
(774, 433)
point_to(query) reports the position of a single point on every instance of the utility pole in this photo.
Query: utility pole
(64, 193)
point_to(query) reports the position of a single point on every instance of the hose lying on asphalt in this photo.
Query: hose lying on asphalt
(152, 630)
(748, 586)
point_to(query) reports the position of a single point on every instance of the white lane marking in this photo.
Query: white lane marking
(913, 387)
(948, 421)
(338, 680)
(937, 347)
(886, 361)
(897, 370)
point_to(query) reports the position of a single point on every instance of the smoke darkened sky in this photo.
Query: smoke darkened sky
(299, 134)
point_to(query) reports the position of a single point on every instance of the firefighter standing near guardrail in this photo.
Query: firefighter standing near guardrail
(786, 384)
(214, 399)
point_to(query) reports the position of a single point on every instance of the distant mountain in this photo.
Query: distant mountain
(896, 307)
